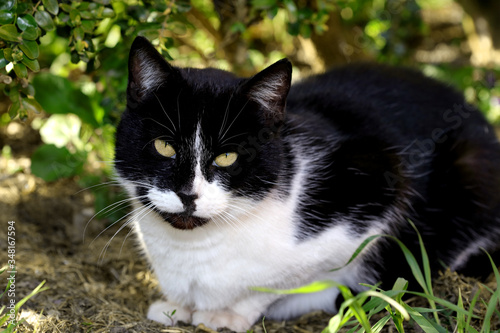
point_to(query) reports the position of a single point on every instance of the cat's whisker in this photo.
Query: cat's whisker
(126, 237)
(162, 125)
(112, 182)
(226, 115)
(108, 243)
(165, 112)
(112, 224)
(130, 221)
(230, 125)
(179, 110)
(232, 137)
(225, 220)
(110, 208)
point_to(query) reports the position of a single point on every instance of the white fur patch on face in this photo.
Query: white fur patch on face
(212, 199)
(166, 201)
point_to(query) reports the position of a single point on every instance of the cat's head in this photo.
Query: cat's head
(193, 143)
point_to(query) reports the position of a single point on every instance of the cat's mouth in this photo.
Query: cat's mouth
(183, 222)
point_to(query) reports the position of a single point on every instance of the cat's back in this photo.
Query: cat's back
(409, 142)
(397, 99)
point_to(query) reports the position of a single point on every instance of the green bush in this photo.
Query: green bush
(68, 59)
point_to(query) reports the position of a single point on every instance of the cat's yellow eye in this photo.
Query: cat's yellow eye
(225, 160)
(164, 148)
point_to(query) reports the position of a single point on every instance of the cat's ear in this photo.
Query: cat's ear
(269, 88)
(147, 69)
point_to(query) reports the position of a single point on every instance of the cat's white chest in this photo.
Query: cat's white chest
(214, 265)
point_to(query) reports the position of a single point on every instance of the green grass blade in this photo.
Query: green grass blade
(425, 259)
(426, 325)
(426, 310)
(4, 317)
(414, 266)
(443, 302)
(390, 301)
(360, 315)
(35, 291)
(360, 248)
(314, 287)
(379, 325)
(460, 316)
(495, 269)
(470, 313)
(9, 281)
(489, 313)
(495, 297)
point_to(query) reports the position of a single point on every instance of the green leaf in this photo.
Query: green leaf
(69, 99)
(21, 70)
(7, 52)
(7, 4)
(44, 20)
(31, 64)
(9, 33)
(86, 15)
(6, 17)
(51, 163)
(66, 7)
(26, 21)
(30, 33)
(74, 15)
(24, 7)
(17, 54)
(32, 105)
(14, 109)
(3, 61)
(30, 49)
(238, 27)
(78, 33)
(108, 12)
(51, 5)
(263, 4)
(29, 91)
(88, 26)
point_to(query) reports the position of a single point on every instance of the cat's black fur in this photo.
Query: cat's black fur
(410, 141)
(372, 145)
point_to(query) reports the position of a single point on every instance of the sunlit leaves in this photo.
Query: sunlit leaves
(26, 21)
(6, 17)
(51, 5)
(9, 33)
(30, 49)
(44, 20)
(23, 22)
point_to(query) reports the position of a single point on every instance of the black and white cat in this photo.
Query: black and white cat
(251, 182)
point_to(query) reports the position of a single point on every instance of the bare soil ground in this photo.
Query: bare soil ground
(85, 294)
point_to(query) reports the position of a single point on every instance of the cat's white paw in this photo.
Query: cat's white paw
(161, 311)
(220, 319)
